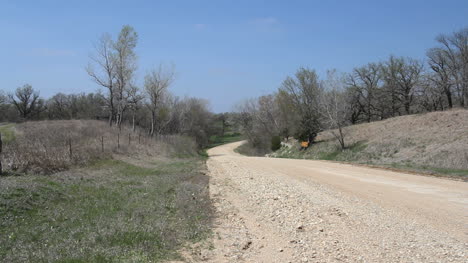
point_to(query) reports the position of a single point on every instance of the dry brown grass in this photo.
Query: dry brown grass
(434, 142)
(438, 139)
(44, 146)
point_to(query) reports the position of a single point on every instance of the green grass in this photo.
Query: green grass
(113, 211)
(8, 133)
(356, 153)
(456, 173)
(324, 150)
(228, 137)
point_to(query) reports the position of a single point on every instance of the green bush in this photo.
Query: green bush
(275, 143)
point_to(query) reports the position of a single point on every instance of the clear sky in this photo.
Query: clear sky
(224, 50)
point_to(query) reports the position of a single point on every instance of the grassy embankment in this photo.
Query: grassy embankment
(228, 137)
(217, 140)
(7, 131)
(120, 209)
(433, 143)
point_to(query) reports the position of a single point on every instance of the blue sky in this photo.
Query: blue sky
(224, 51)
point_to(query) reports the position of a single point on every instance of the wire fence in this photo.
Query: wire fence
(48, 153)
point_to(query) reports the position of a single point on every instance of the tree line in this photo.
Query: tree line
(305, 104)
(113, 64)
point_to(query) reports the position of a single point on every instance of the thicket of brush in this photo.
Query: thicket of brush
(51, 146)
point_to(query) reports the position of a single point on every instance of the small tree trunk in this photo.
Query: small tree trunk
(152, 124)
(102, 143)
(407, 106)
(448, 93)
(465, 95)
(70, 151)
(119, 121)
(111, 114)
(224, 126)
(341, 139)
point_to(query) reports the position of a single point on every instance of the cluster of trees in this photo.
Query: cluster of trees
(26, 104)
(151, 108)
(304, 105)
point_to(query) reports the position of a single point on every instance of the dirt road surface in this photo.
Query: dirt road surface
(284, 210)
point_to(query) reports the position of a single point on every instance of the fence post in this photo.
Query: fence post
(118, 140)
(1, 171)
(102, 143)
(139, 138)
(70, 148)
(129, 139)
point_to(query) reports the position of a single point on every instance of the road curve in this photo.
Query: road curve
(286, 210)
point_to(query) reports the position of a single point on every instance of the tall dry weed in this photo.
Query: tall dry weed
(50, 146)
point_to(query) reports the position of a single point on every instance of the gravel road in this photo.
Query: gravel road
(284, 210)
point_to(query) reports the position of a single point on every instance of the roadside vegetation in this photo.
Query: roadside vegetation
(111, 211)
(7, 131)
(327, 115)
(138, 202)
(433, 143)
(110, 176)
(228, 137)
(45, 147)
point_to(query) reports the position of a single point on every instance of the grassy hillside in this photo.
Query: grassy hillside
(137, 203)
(434, 143)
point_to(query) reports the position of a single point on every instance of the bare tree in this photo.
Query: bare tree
(439, 63)
(366, 82)
(222, 117)
(171, 109)
(27, 102)
(430, 96)
(3, 99)
(59, 107)
(409, 73)
(256, 125)
(196, 120)
(288, 115)
(390, 74)
(104, 75)
(267, 114)
(4, 106)
(156, 84)
(334, 106)
(455, 47)
(124, 69)
(135, 97)
(304, 91)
